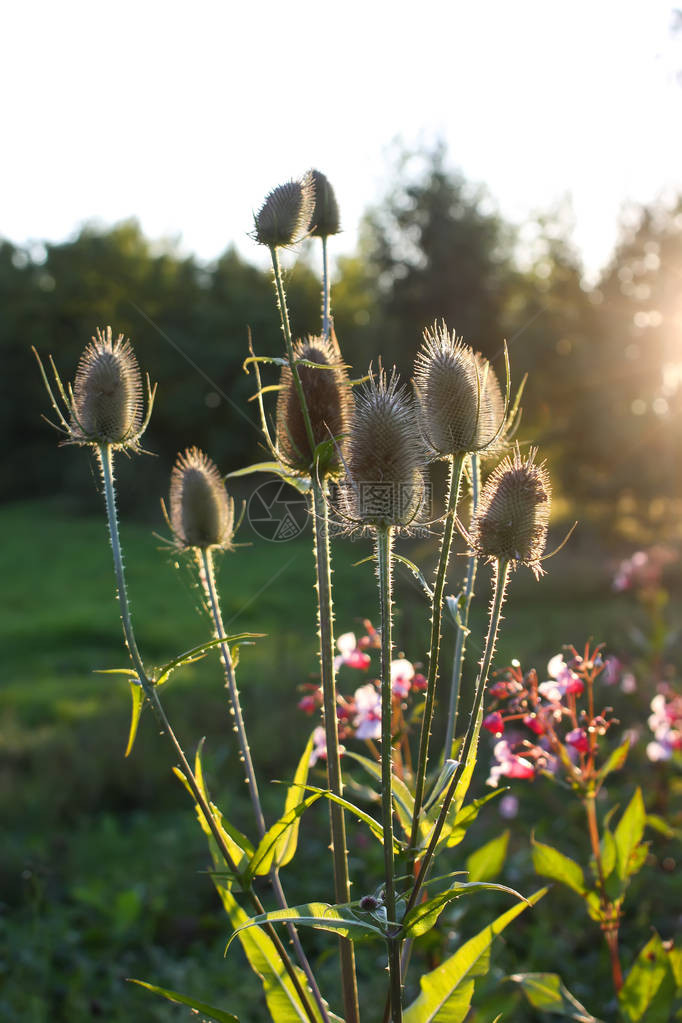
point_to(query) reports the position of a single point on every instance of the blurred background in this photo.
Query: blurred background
(513, 169)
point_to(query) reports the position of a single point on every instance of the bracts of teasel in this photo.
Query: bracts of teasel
(327, 395)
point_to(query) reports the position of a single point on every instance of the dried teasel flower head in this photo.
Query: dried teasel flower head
(512, 517)
(494, 425)
(201, 512)
(107, 398)
(328, 400)
(384, 484)
(284, 217)
(457, 395)
(325, 219)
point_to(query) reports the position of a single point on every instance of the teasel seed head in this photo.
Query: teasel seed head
(329, 403)
(284, 217)
(325, 219)
(201, 512)
(457, 401)
(384, 484)
(107, 405)
(512, 517)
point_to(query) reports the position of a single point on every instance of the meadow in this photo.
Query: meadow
(103, 870)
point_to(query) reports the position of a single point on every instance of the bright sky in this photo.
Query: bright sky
(186, 114)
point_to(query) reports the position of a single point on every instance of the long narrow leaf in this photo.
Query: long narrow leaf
(320, 915)
(264, 857)
(446, 991)
(137, 695)
(402, 797)
(546, 991)
(207, 1010)
(423, 917)
(198, 651)
(373, 825)
(288, 843)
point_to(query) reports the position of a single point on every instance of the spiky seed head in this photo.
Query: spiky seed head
(325, 219)
(512, 517)
(108, 403)
(201, 513)
(384, 484)
(450, 380)
(328, 400)
(284, 217)
(492, 434)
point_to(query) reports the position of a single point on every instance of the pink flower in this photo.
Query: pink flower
(566, 681)
(350, 654)
(402, 673)
(533, 722)
(309, 704)
(419, 683)
(319, 750)
(368, 712)
(509, 765)
(666, 724)
(494, 723)
(578, 740)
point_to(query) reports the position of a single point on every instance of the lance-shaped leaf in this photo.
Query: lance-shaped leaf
(546, 991)
(446, 991)
(403, 800)
(614, 762)
(264, 859)
(193, 1003)
(288, 842)
(300, 483)
(423, 917)
(197, 652)
(551, 863)
(628, 834)
(649, 987)
(137, 694)
(320, 915)
(373, 825)
(281, 997)
(487, 862)
(416, 572)
(460, 791)
(467, 815)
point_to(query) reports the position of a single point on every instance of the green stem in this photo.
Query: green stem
(106, 462)
(334, 777)
(456, 465)
(463, 627)
(500, 585)
(326, 289)
(208, 580)
(286, 330)
(384, 543)
(611, 913)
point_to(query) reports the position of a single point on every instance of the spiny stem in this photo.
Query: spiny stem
(326, 289)
(208, 580)
(286, 330)
(463, 627)
(456, 465)
(106, 462)
(500, 584)
(334, 777)
(384, 544)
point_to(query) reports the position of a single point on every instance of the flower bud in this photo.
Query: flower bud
(325, 218)
(201, 513)
(458, 407)
(284, 217)
(108, 405)
(512, 518)
(328, 400)
(384, 486)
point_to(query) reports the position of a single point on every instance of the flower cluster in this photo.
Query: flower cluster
(643, 571)
(359, 715)
(665, 722)
(543, 724)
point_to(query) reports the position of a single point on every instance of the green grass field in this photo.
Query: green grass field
(101, 872)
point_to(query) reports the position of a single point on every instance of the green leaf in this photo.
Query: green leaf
(320, 915)
(137, 693)
(628, 834)
(551, 863)
(423, 917)
(460, 793)
(545, 991)
(264, 857)
(197, 652)
(614, 762)
(208, 1010)
(609, 853)
(468, 814)
(441, 783)
(373, 825)
(487, 862)
(649, 986)
(287, 844)
(280, 994)
(416, 572)
(403, 800)
(446, 991)
(300, 483)
(657, 823)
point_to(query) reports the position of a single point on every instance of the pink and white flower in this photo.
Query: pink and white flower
(509, 765)
(350, 653)
(368, 712)
(402, 673)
